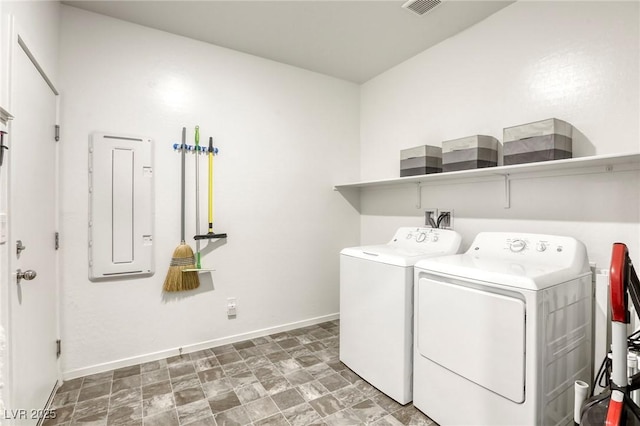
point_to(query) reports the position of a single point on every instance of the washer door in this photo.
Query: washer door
(473, 333)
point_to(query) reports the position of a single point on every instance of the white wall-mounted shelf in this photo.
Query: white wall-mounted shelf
(5, 116)
(571, 166)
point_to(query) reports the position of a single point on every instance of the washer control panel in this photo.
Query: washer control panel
(424, 238)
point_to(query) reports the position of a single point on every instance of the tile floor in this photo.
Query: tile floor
(291, 378)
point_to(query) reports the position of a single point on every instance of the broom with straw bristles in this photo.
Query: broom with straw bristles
(182, 274)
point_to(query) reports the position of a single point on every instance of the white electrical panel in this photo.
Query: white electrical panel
(121, 206)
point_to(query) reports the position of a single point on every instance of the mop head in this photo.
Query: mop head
(176, 279)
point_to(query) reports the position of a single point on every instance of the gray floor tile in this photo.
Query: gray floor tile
(167, 418)
(349, 395)
(243, 345)
(299, 377)
(327, 405)
(185, 382)
(155, 376)
(65, 398)
(251, 392)
(187, 396)
(125, 414)
(205, 353)
(126, 372)
(261, 408)
(229, 357)
(217, 387)
(343, 418)
(160, 388)
(289, 378)
(63, 414)
(333, 382)
(275, 420)
(223, 402)
(125, 397)
(287, 399)
(69, 385)
(211, 374)
(219, 350)
(206, 421)
(178, 370)
(157, 404)
(206, 363)
(148, 367)
(275, 385)
(312, 390)
(91, 406)
(235, 368)
(368, 411)
(95, 379)
(194, 411)
(388, 420)
(242, 379)
(95, 391)
(237, 416)
(409, 415)
(301, 415)
(249, 353)
(130, 382)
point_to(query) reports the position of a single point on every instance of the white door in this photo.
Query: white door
(33, 303)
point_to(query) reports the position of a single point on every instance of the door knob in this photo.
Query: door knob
(27, 275)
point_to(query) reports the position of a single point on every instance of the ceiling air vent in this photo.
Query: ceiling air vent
(420, 7)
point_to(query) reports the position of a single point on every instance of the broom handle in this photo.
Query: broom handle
(211, 185)
(198, 263)
(182, 183)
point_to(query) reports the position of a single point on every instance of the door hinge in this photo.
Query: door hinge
(58, 348)
(57, 240)
(57, 134)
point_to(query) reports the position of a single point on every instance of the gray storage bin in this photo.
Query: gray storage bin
(472, 152)
(539, 141)
(420, 160)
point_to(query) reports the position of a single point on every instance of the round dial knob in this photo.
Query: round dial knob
(517, 245)
(421, 237)
(541, 246)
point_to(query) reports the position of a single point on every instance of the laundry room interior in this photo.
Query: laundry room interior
(308, 163)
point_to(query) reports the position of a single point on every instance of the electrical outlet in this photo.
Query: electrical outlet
(446, 222)
(231, 307)
(430, 217)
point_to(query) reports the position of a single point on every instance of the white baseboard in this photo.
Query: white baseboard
(154, 356)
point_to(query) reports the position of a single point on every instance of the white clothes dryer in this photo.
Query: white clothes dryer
(503, 331)
(376, 306)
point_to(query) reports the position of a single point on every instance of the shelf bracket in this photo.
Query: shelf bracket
(507, 191)
(418, 196)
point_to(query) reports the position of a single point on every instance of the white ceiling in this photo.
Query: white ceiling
(350, 40)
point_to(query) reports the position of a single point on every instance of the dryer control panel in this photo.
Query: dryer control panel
(539, 244)
(534, 248)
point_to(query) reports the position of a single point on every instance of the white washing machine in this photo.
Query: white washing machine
(503, 331)
(376, 306)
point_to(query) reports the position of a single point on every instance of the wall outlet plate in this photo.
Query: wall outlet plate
(231, 307)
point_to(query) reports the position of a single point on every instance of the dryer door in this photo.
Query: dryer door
(473, 333)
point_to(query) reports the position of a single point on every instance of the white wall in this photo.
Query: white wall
(285, 136)
(577, 61)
